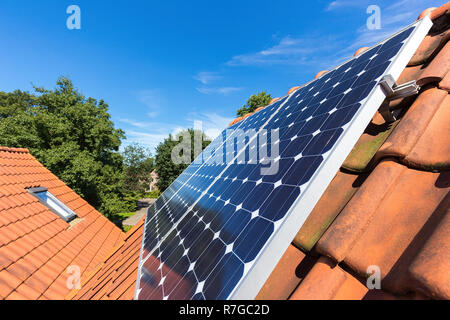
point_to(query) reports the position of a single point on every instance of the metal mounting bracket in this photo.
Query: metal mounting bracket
(394, 91)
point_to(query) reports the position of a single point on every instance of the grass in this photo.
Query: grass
(125, 215)
(126, 228)
(120, 217)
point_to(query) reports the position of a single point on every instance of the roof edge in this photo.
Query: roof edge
(18, 150)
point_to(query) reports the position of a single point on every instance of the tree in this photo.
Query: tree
(165, 167)
(72, 136)
(139, 164)
(255, 101)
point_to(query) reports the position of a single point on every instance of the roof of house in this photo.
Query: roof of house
(387, 207)
(116, 277)
(36, 245)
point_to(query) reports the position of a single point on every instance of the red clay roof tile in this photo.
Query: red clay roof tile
(432, 43)
(360, 50)
(334, 199)
(437, 12)
(413, 130)
(430, 268)
(328, 281)
(284, 278)
(437, 68)
(392, 220)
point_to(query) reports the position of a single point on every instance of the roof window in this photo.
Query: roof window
(54, 204)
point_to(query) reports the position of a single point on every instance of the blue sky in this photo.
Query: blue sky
(160, 65)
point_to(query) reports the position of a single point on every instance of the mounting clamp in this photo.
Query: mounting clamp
(394, 91)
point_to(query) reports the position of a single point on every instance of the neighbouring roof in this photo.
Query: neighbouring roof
(36, 245)
(387, 207)
(116, 277)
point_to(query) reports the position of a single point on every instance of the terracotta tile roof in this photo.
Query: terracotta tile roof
(36, 245)
(388, 206)
(116, 277)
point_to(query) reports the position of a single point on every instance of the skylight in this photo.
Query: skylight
(54, 204)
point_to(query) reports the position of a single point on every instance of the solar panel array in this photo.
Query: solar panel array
(205, 233)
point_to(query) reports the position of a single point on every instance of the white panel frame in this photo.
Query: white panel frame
(262, 267)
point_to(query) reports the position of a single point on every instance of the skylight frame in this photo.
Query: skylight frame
(56, 203)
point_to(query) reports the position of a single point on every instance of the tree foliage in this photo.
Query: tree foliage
(73, 136)
(165, 167)
(255, 101)
(139, 164)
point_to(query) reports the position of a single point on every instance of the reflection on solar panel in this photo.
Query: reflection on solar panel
(218, 231)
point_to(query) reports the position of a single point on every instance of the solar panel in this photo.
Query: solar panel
(219, 230)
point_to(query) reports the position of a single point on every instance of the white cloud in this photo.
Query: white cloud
(152, 133)
(134, 123)
(393, 18)
(218, 90)
(212, 123)
(150, 140)
(288, 51)
(153, 99)
(206, 77)
(344, 3)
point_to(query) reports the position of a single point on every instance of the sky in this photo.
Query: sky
(161, 65)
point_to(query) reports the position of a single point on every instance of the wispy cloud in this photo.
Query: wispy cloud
(393, 18)
(334, 5)
(288, 50)
(152, 133)
(291, 51)
(206, 77)
(218, 90)
(212, 123)
(137, 124)
(153, 99)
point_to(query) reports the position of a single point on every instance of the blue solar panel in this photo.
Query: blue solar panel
(220, 228)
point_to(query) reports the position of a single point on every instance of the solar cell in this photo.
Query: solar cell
(221, 227)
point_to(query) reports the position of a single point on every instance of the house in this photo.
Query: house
(152, 185)
(386, 212)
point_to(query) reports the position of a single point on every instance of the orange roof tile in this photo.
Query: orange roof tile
(326, 281)
(116, 277)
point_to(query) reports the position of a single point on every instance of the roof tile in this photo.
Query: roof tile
(284, 278)
(368, 144)
(414, 123)
(395, 214)
(427, 48)
(432, 150)
(437, 68)
(328, 281)
(430, 268)
(339, 192)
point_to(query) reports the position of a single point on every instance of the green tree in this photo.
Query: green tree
(165, 167)
(72, 136)
(261, 99)
(139, 164)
